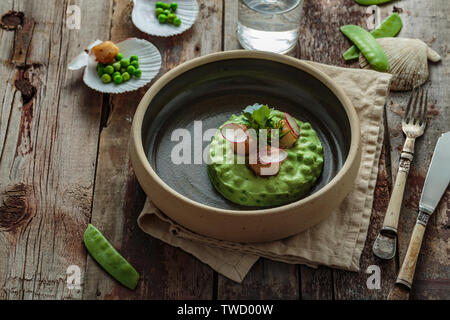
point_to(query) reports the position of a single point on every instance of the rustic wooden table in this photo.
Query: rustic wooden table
(64, 159)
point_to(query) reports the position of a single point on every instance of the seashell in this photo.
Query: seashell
(408, 60)
(143, 17)
(149, 62)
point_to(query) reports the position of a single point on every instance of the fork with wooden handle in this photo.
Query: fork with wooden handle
(413, 125)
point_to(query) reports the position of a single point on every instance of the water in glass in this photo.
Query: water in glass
(269, 25)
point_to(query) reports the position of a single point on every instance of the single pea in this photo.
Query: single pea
(306, 126)
(308, 159)
(174, 6)
(126, 76)
(171, 17)
(106, 78)
(124, 63)
(109, 69)
(305, 170)
(165, 6)
(115, 74)
(319, 162)
(137, 73)
(122, 70)
(177, 22)
(100, 66)
(131, 69)
(166, 12)
(159, 4)
(119, 56)
(118, 79)
(135, 64)
(116, 260)
(134, 58)
(100, 70)
(109, 258)
(162, 18)
(319, 149)
(368, 46)
(388, 28)
(116, 66)
(158, 11)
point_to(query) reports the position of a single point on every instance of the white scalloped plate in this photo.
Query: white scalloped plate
(144, 17)
(149, 62)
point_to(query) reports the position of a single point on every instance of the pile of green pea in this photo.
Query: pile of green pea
(165, 13)
(120, 70)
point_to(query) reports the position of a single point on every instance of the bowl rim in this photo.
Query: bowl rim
(353, 154)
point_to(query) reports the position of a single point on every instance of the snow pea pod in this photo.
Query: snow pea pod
(388, 28)
(105, 254)
(371, 2)
(369, 47)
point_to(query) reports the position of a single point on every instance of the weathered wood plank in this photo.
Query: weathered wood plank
(48, 142)
(427, 21)
(320, 37)
(316, 284)
(230, 40)
(266, 280)
(166, 272)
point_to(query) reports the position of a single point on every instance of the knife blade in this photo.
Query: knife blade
(438, 176)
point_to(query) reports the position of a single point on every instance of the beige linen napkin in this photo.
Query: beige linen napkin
(337, 241)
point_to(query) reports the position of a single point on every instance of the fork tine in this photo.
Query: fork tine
(423, 118)
(418, 107)
(406, 115)
(414, 105)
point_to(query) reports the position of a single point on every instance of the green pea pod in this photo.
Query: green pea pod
(367, 44)
(105, 254)
(390, 27)
(371, 2)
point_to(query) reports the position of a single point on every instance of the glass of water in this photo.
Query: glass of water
(269, 25)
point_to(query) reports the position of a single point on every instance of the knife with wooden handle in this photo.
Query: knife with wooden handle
(436, 182)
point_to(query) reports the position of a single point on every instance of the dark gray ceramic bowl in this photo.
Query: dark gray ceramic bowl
(210, 89)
